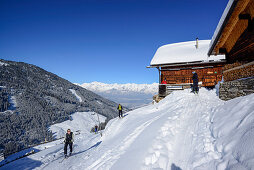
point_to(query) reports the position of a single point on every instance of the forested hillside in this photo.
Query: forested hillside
(32, 99)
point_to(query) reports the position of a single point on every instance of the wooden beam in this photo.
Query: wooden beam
(246, 17)
(159, 74)
(241, 6)
(223, 51)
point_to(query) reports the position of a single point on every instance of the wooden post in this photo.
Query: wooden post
(99, 124)
(196, 43)
(159, 75)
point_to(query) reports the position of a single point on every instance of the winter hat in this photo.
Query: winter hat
(193, 72)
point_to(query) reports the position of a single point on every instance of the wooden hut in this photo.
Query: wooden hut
(176, 62)
(234, 37)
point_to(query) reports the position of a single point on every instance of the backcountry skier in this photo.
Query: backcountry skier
(195, 82)
(96, 129)
(120, 109)
(69, 139)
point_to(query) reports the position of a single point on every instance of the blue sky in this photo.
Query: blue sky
(110, 41)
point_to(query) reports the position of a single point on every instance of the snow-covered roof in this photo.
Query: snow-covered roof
(224, 18)
(184, 52)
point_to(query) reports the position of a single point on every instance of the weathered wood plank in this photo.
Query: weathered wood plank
(208, 76)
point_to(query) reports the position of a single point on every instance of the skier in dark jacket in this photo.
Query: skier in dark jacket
(96, 129)
(69, 139)
(120, 109)
(195, 82)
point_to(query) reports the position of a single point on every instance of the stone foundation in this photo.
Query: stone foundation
(236, 88)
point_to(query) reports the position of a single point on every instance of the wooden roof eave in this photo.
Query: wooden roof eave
(184, 64)
(214, 43)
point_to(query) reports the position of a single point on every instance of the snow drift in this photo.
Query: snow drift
(233, 129)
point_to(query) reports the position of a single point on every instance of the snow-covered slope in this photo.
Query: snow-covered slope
(31, 99)
(233, 130)
(183, 131)
(80, 121)
(130, 95)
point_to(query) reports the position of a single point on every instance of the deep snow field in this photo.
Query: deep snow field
(183, 131)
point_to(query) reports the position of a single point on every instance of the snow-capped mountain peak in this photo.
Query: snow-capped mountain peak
(130, 95)
(129, 87)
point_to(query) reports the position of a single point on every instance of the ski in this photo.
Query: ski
(66, 157)
(63, 159)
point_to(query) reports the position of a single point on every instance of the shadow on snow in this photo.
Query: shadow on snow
(94, 146)
(24, 163)
(174, 167)
(28, 163)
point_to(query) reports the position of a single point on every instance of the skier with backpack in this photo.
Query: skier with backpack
(195, 82)
(120, 109)
(69, 139)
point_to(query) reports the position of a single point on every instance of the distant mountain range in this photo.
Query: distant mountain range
(32, 99)
(130, 95)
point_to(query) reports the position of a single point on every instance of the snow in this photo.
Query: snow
(234, 138)
(184, 52)
(76, 95)
(13, 103)
(222, 20)
(124, 88)
(3, 64)
(81, 124)
(130, 95)
(183, 131)
(80, 121)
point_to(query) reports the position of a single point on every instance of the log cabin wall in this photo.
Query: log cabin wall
(183, 74)
(234, 27)
(243, 50)
(235, 39)
(240, 59)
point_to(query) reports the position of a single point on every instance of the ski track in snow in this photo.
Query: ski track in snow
(177, 133)
(177, 127)
(115, 153)
(53, 159)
